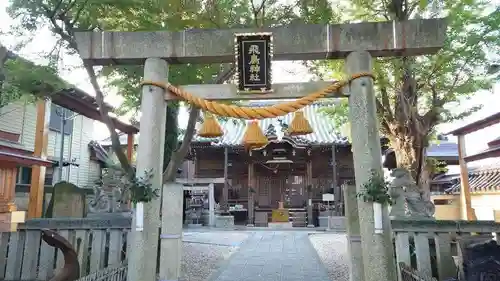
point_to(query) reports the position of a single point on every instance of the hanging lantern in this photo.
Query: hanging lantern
(210, 127)
(299, 125)
(254, 137)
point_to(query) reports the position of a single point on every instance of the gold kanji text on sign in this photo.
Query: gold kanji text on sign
(254, 62)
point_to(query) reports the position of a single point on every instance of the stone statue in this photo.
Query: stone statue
(408, 201)
(109, 193)
(100, 203)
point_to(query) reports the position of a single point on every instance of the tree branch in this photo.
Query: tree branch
(103, 110)
(431, 116)
(383, 121)
(179, 155)
(56, 8)
(439, 64)
(67, 34)
(385, 104)
(70, 6)
(79, 12)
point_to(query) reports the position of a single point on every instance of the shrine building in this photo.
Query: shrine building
(286, 172)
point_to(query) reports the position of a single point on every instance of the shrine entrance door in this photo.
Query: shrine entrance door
(275, 186)
(295, 193)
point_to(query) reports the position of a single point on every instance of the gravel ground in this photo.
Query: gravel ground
(332, 250)
(203, 253)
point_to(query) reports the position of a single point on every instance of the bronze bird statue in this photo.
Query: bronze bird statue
(71, 269)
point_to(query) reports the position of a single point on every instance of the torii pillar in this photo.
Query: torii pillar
(377, 249)
(357, 43)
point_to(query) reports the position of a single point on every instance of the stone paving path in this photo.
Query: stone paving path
(274, 256)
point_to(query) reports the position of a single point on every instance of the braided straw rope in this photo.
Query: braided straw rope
(251, 113)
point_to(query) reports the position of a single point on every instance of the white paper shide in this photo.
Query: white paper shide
(377, 218)
(139, 216)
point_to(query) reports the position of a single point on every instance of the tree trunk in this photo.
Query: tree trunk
(171, 133)
(178, 156)
(410, 155)
(425, 180)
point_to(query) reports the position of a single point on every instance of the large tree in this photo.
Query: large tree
(65, 17)
(416, 94)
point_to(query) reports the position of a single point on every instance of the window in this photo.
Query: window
(49, 176)
(55, 119)
(24, 176)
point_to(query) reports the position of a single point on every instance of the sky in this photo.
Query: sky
(283, 72)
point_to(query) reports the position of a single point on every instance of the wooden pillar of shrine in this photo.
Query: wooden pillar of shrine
(337, 189)
(251, 194)
(130, 154)
(310, 219)
(36, 196)
(130, 147)
(9, 216)
(466, 211)
(8, 173)
(225, 191)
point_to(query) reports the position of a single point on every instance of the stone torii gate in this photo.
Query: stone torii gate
(356, 43)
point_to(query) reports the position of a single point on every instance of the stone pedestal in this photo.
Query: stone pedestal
(224, 221)
(9, 221)
(261, 219)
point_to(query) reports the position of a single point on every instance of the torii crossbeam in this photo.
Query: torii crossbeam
(293, 42)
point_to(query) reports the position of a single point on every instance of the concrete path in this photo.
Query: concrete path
(274, 256)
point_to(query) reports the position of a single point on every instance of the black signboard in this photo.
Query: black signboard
(253, 60)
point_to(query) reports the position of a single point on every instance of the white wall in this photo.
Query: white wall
(20, 118)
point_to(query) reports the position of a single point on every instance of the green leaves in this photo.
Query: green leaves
(26, 80)
(456, 72)
(376, 190)
(141, 189)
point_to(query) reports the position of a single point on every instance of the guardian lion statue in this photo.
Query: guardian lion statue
(408, 201)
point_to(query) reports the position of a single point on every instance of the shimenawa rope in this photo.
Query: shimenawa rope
(252, 113)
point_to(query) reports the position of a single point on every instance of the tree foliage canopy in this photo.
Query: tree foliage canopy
(416, 94)
(21, 79)
(451, 76)
(413, 94)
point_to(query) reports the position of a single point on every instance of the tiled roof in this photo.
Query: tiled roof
(324, 133)
(324, 130)
(100, 153)
(494, 142)
(492, 151)
(481, 179)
